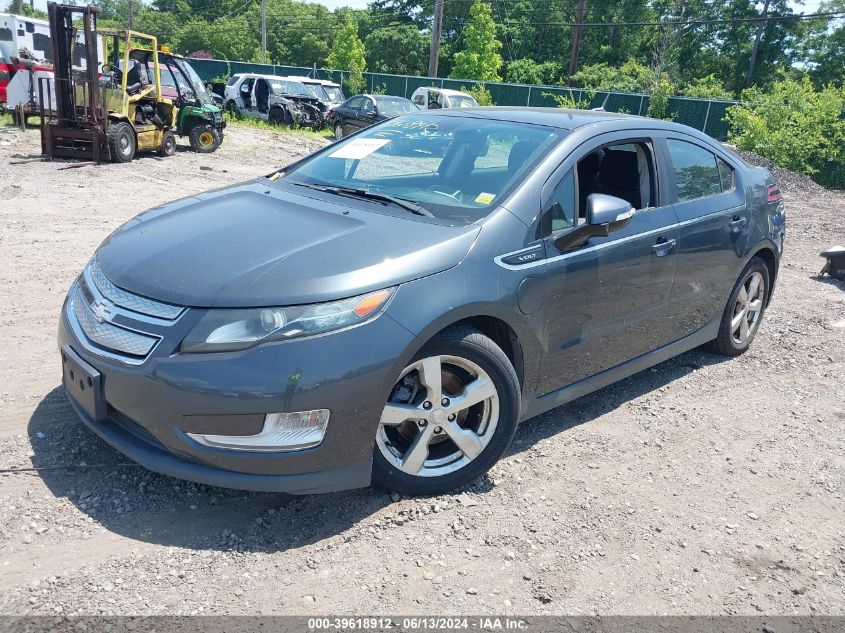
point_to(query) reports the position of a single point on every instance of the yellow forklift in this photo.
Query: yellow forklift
(108, 117)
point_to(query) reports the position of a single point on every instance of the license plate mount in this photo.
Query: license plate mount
(83, 383)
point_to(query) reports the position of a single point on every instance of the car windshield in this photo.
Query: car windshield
(288, 87)
(455, 167)
(335, 94)
(461, 101)
(394, 106)
(317, 91)
(196, 86)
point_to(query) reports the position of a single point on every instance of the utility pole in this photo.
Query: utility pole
(263, 31)
(757, 37)
(129, 14)
(434, 56)
(576, 41)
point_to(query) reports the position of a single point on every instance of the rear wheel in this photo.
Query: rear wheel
(121, 138)
(204, 138)
(338, 131)
(744, 311)
(451, 415)
(168, 144)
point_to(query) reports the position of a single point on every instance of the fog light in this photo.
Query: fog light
(281, 432)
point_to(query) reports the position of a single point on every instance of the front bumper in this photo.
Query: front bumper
(150, 407)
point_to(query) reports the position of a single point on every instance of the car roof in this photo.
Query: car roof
(565, 118)
(445, 91)
(377, 97)
(257, 75)
(311, 80)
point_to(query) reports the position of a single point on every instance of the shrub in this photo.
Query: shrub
(709, 87)
(658, 103)
(794, 126)
(481, 94)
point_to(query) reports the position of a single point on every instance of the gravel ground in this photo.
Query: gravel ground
(701, 486)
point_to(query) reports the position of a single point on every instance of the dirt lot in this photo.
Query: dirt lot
(701, 486)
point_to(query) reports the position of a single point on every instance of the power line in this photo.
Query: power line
(831, 14)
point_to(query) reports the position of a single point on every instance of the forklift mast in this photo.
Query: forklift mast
(64, 36)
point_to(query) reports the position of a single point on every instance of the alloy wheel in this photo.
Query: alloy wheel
(748, 308)
(441, 415)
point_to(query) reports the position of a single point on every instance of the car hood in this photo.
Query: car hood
(254, 245)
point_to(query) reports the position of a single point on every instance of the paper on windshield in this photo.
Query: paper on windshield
(359, 148)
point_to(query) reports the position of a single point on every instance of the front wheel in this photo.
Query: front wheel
(451, 415)
(204, 138)
(121, 139)
(744, 311)
(168, 144)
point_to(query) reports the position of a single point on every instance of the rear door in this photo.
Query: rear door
(713, 222)
(604, 302)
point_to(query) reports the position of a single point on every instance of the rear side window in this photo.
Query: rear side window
(233, 80)
(696, 172)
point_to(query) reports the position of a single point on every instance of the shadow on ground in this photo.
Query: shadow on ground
(131, 501)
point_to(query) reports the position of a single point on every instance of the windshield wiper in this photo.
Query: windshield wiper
(366, 194)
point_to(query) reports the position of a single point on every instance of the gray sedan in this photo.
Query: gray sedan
(389, 308)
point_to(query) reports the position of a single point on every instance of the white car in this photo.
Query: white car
(428, 98)
(277, 100)
(329, 92)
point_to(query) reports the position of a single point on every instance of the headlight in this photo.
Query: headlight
(232, 330)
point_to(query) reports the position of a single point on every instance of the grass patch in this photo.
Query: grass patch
(6, 118)
(235, 119)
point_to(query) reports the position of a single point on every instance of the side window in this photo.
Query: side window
(419, 98)
(560, 210)
(726, 174)
(233, 80)
(367, 106)
(354, 103)
(696, 173)
(30, 27)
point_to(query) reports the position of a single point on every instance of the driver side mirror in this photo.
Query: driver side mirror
(605, 214)
(603, 209)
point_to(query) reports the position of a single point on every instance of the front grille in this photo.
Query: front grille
(130, 301)
(115, 323)
(130, 426)
(107, 335)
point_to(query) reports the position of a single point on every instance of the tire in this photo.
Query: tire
(276, 116)
(231, 106)
(168, 145)
(457, 357)
(735, 338)
(122, 143)
(338, 131)
(204, 138)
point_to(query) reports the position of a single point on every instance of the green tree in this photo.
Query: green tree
(709, 87)
(348, 53)
(401, 50)
(632, 76)
(795, 126)
(480, 57)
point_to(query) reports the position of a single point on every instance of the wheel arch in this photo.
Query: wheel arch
(513, 336)
(766, 251)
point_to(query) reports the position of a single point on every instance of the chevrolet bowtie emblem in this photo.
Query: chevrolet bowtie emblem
(101, 311)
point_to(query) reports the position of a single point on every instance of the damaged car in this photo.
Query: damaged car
(274, 99)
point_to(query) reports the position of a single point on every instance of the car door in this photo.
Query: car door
(349, 115)
(713, 222)
(368, 113)
(603, 302)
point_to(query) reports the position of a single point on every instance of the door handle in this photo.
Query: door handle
(663, 246)
(737, 224)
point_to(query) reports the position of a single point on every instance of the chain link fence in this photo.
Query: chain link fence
(702, 114)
